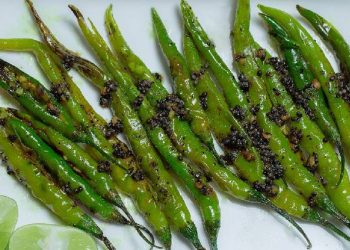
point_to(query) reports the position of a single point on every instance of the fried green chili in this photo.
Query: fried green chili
(277, 191)
(331, 35)
(183, 84)
(320, 67)
(113, 146)
(307, 92)
(185, 139)
(70, 182)
(294, 170)
(97, 173)
(33, 175)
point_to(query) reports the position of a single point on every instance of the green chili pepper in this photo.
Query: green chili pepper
(99, 141)
(97, 173)
(280, 194)
(182, 223)
(185, 139)
(179, 218)
(322, 69)
(310, 145)
(142, 194)
(32, 174)
(220, 117)
(294, 169)
(182, 83)
(70, 182)
(312, 142)
(304, 80)
(331, 35)
(21, 86)
(191, 176)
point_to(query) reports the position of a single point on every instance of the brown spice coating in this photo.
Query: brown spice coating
(106, 93)
(12, 138)
(238, 112)
(295, 136)
(343, 86)
(312, 163)
(255, 109)
(120, 151)
(60, 92)
(104, 167)
(234, 141)
(144, 85)
(113, 128)
(300, 97)
(244, 83)
(172, 103)
(278, 115)
(272, 167)
(138, 101)
(196, 75)
(203, 98)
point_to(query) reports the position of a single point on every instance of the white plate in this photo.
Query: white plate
(243, 226)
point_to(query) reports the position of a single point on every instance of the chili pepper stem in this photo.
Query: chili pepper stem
(106, 241)
(260, 198)
(314, 216)
(327, 206)
(342, 161)
(141, 230)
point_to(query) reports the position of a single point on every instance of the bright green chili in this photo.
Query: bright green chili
(182, 221)
(185, 139)
(126, 160)
(182, 82)
(32, 174)
(312, 142)
(321, 69)
(97, 173)
(331, 35)
(192, 177)
(294, 170)
(304, 80)
(282, 197)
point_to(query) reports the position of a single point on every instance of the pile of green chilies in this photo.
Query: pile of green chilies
(278, 126)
